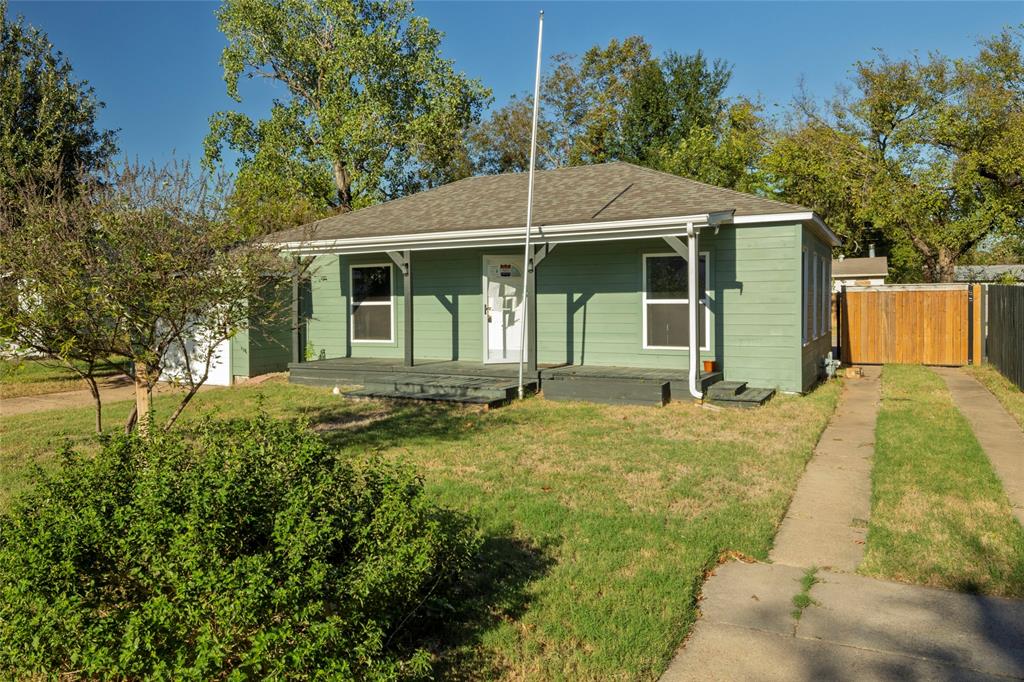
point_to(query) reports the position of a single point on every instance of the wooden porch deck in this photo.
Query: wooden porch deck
(475, 382)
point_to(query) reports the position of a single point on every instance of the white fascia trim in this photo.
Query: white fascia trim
(809, 218)
(555, 234)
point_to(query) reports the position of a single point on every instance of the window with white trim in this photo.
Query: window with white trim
(818, 321)
(827, 284)
(806, 298)
(371, 317)
(666, 301)
(824, 300)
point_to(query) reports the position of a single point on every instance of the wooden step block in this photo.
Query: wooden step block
(726, 388)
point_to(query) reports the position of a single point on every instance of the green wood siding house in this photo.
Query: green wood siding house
(608, 278)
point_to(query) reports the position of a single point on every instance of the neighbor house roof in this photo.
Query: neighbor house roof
(986, 273)
(580, 195)
(860, 267)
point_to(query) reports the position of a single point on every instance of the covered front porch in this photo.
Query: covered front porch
(495, 384)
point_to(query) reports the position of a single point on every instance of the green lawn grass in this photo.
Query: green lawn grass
(939, 514)
(1011, 397)
(599, 522)
(35, 377)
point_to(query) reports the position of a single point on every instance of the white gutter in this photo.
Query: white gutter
(693, 281)
(809, 218)
(504, 236)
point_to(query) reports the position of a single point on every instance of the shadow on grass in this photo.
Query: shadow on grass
(381, 426)
(496, 591)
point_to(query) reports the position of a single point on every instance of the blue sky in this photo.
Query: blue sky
(156, 66)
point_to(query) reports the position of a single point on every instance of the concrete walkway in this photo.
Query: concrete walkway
(857, 629)
(998, 433)
(109, 393)
(826, 523)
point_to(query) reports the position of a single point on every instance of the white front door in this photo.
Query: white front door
(503, 308)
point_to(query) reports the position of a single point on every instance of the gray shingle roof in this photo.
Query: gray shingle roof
(579, 194)
(860, 267)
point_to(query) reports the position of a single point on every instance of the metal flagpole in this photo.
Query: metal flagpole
(529, 208)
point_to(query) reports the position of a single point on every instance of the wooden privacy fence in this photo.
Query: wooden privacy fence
(914, 324)
(1006, 331)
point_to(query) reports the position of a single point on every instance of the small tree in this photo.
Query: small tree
(53, 311)
(152, 271)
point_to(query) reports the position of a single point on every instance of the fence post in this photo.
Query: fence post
(983, 322)
(839, 323)
(970, 324)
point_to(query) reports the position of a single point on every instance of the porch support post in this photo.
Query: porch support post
(296, 313)
(403, 259)
(539, 254)
(693, 271)
(531, 316)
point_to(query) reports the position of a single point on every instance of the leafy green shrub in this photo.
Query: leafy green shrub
(243, 550)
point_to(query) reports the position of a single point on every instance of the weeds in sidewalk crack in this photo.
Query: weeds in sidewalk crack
(802, 599)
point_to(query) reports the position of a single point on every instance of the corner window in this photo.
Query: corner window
(827, 283)
(817, 296)
(807, 299)
(666, 301)
(372, 307)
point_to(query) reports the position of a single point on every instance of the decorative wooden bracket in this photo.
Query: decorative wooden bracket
(401, 259)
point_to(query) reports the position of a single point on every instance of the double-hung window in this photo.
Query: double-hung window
(666, 301)
(372, 315)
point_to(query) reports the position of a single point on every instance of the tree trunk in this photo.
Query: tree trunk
(343, 181)
(945, 270)
(94, 389)
(132, 418)
(143, 398)
(181, 406)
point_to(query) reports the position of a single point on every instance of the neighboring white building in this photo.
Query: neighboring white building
(220, 363)
(862, 272)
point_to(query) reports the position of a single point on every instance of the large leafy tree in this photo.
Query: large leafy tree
(47, 117)
(604, 77)
(372, 110)
(678, 119)
(670, 98)
(583, 100)
(924, 154)
(501, 143)
(726, 151)
(617, 102)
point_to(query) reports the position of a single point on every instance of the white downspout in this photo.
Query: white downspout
(693, 272)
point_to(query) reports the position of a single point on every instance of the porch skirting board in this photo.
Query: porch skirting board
(467, 382)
